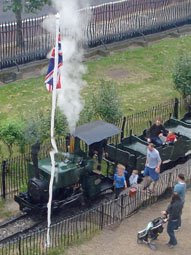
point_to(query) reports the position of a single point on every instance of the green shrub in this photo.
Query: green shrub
(182, 76)
(11, 132)
(108, 105)
(38, 127)
(89, 111)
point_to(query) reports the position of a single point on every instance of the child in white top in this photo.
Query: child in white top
(133, 179)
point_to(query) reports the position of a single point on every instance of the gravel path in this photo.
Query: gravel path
(121, 240)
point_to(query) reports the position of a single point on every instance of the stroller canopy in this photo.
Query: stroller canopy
(96, 131)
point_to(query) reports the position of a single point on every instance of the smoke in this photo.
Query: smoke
(72, 26)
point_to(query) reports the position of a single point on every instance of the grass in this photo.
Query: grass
(143, 77)
(4, 213)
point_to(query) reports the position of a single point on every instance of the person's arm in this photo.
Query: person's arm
(164, 132)
(151, 129)
(136, 179)
(176, 190)
(114, 179)
(166, 213)
(159, 163)
(146, 160)
(125, 183)
(168, 210)
(130, 180)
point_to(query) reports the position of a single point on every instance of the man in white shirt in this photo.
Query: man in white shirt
(152, 165)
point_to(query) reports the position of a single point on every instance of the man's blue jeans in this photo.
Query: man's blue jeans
(172, 225)
(156, 140)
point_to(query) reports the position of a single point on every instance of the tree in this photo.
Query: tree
(89, 111)
(37, 128)
(17, 7)
(108, 105)
(11, 133)
(182, 77)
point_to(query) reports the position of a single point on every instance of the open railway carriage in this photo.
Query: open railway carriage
(75, 178)
(183, 131)
(132, 150)
(187, 117)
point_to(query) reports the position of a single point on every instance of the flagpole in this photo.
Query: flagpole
(53, 142)
(55, 80)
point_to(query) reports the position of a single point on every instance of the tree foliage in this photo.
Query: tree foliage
(37, 128)
(89, 111)
(27, 5)
(30, 130)
(108, 105)
(182, 75)
(103, 104)
(11, 132)
(17, 7)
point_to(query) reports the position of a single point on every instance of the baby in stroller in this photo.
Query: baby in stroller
(151, 232)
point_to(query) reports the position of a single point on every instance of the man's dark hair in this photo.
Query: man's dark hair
(181, 177)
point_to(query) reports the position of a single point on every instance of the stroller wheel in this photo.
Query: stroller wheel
(139, 241)
(152, 246)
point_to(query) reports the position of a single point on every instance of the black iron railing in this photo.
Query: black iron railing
(71, 230)
(109, 23)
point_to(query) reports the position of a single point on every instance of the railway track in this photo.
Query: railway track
(23, 224)
(16, 226)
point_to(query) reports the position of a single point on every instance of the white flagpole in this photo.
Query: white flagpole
(53, 142)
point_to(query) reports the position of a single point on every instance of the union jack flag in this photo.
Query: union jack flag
(50, 72)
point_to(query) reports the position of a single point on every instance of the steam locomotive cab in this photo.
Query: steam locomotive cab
(69, 171)
(74, 180)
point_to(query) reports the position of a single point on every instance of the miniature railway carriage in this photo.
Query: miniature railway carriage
(187, 116)
(132, 150)
(75, 178)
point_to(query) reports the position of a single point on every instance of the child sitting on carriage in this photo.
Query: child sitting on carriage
(171, 138)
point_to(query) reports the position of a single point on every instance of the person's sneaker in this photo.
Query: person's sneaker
(170, 245)
(177, 229)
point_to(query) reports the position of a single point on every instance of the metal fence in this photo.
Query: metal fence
(84, 225)
(109, 23)
(13, 173)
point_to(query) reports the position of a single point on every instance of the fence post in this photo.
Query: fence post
(122, 128)
(20, 245)
(122, 206)
(3, 178)
(102, 216)
(175, 112)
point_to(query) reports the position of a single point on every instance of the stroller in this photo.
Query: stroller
(151, 232)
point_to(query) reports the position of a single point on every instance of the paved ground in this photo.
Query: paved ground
(8, 16)
(122, 240)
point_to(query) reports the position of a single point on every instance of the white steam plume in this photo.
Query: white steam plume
(72, 24)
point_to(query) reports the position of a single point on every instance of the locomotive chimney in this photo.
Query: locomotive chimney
(72, 142)
(35, 148)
